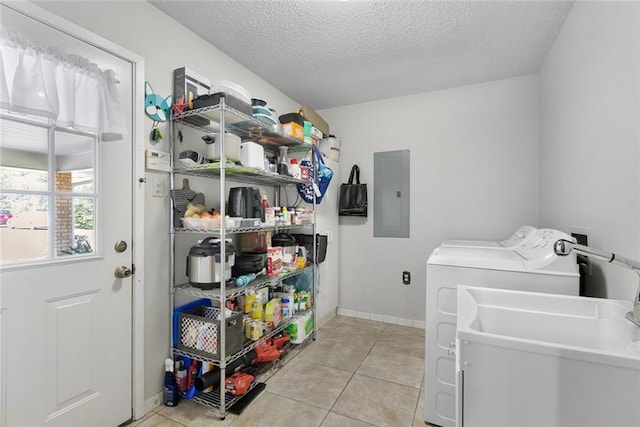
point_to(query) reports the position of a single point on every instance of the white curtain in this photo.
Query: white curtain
(43, 81)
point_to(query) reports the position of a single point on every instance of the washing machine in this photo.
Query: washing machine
(531, 266)
(521, 235)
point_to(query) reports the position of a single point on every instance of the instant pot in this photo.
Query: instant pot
(205, 268)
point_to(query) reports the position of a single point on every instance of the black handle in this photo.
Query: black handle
(208, 241)
(211, 378)
(355, 169)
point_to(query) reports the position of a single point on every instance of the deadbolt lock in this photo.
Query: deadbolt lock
(120, 246)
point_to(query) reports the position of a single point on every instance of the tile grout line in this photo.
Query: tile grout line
(171, 419)
(326, 366)
(333, 367)
(354, 373)
(391, 382)
(351, 418)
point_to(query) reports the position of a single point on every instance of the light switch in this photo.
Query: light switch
(157, 187)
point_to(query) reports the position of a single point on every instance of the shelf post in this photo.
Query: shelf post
(223, 250)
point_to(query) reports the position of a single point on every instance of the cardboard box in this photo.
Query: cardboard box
(309, 114)
(316, 133)
(189, 84)
(256, 242)
(275, 260)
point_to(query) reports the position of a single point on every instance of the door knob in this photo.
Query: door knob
(122, 272)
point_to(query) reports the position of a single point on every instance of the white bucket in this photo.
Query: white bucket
(330, 148)
(231, 147)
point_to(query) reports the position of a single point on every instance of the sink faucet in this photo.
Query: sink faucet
(564, 247)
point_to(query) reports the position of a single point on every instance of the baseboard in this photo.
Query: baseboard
(152, 403)
(326, 318)
(420, 324)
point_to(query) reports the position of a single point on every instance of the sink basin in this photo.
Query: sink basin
(545, 359)
(591, 325)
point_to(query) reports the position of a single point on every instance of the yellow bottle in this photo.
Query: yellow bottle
(256, 311)
(247, 328)
(249, 299)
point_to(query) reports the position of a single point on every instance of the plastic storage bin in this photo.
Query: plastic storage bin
(200, 332)
(230, 100)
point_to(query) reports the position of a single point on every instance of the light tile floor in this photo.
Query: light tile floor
(357, 373)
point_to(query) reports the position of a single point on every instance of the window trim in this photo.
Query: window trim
(51, 129)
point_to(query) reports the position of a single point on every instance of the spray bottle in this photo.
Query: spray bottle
(169, 391)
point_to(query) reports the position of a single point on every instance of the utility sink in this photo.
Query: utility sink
(532, 359)
(590, 325)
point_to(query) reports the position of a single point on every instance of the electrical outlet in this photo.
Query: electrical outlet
(583, 260)
(581, 239)
(406, 277)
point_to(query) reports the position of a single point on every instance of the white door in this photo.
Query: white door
(65, 318)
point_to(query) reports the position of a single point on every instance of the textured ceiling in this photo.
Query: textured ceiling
(331, 53)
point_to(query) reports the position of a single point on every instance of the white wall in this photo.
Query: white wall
(590, 136)
(165, 45)
(474, 174)
(474, 155)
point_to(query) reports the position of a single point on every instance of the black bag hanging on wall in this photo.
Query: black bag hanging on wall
(353, 196)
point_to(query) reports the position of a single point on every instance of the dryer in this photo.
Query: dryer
(521, 235)
(531, 266)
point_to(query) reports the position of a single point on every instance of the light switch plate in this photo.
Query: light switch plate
(157, 187)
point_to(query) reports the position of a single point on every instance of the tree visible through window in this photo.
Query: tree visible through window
(47, 191)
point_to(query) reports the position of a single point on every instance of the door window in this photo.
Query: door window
(48, 192)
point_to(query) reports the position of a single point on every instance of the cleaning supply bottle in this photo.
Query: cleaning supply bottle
(245, 279)
(192, 373)
(169, 390)
(286, 308)
(257, 311)
(180, 376)
(249, 299)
